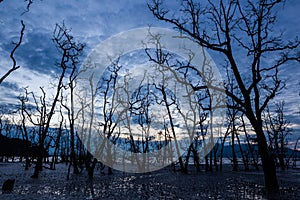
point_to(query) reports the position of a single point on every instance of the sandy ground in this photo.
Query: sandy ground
(163, 184)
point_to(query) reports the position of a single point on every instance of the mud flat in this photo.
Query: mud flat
(162, 184)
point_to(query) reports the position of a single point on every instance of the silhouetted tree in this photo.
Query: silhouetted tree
(228, 27)
(69, 51)
(278, 128)
(24, 100)
(103, 93)
(198, 105)
(73, 50)
(110, 117)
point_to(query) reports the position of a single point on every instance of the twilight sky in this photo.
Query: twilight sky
(93, 21)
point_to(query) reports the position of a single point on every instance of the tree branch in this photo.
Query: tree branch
(14, 66)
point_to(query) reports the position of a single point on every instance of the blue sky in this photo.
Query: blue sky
(93, 21)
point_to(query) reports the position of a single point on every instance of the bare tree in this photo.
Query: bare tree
(110, 104)
(141, 102)
(101, 126)
(229, 27)
(278, 128)
(24, 100)
(73, 51)
(199, 141)
(198, 103)
(69, 51)
(36, 113)
(234, 118)
(164, 96)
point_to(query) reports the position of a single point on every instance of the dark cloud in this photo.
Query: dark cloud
(8, 108)
(10, 86)
(39, 53)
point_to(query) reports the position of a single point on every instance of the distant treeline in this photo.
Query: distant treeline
(10, 147)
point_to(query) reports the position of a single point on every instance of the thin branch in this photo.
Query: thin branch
(14, 66)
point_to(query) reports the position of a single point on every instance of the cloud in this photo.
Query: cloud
(92, 22)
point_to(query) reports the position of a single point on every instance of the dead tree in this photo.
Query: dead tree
(198, 104)
(232, 113)
(141, 102)
(108, 118)
(278, 128)
(72, 50)
(36, 113)
(34, 110)
(164, 96)
(249, 28)
(69, 52)
(24, 100)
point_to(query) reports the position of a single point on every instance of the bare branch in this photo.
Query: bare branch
(14, 65)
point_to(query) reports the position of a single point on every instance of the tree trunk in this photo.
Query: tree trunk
(222, 150)
(39, 165)
(245, 161)
(234, 158)
(92, 169)
(73, 155)
(186, 164)
(215, 150)
(206, 163)
(196, 159)
(281, 154)
(268, 163)
(251, 152)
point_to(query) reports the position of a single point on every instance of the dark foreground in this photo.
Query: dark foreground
(163, 184)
